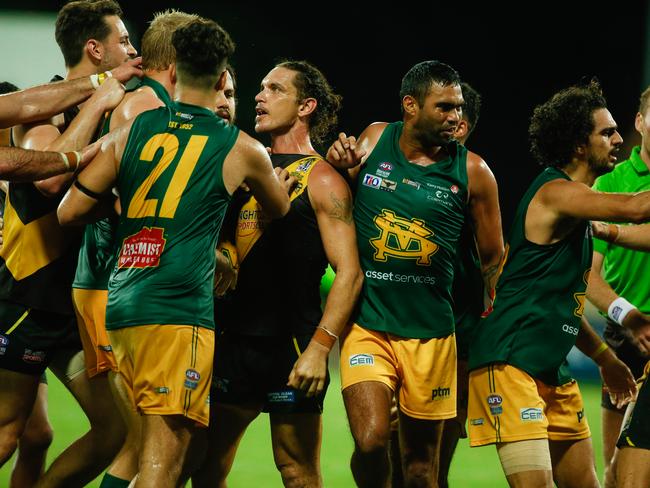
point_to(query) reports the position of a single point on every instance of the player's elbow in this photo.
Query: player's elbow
(52, 187)
(67, 214)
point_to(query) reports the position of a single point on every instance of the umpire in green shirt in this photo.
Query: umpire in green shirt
(618, 284)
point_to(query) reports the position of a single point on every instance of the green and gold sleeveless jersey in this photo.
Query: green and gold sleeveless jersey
(540, 299)
(173, 201)
(409, 219)
(97, 254)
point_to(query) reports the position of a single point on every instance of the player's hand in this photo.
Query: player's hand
(89, 152)
(638, 324)
(109, 94)
(618, 379)
(225, 278)
(128, 69)
(310, 370)
(344, 153)
(288, 182)
(600, 230)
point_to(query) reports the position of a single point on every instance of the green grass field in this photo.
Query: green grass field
(473, 468)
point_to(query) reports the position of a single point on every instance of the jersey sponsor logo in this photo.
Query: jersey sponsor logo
(494, 402)
(184, 116)
(362, 360)
(388, 185)
(162, 390)
(570, 329)
(192, 378)
(143, 249)
(372, 181)
(531, 414)
(454, 189)
(386, 166)
(479, 421)
(414, 184)
(34, 357)
(4, 340)
(402, 238)
(581, 415)
(108, 348)
(400, 278)
(440, 393)
(284, 396)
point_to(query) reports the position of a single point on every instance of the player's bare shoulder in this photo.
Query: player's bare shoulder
(134, 103)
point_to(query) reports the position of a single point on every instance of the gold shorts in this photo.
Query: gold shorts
(506, 404)
(167, 369)
(423, 371)
(90, 308)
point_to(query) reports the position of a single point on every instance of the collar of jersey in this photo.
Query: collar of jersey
(637, 163)
(194, 109)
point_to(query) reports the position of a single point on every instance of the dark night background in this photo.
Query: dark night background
(516, 59)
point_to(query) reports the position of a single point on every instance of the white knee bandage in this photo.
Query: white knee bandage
(530, 455)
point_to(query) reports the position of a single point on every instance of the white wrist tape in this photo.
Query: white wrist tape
(619, 309)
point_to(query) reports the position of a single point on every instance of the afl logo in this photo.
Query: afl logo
(386, 166)
(494, 400)
(454, 188)
(192, 375)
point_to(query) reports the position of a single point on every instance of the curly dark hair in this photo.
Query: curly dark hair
(471, 107)
(82, 20)
(311, 83)
(418, 80)
(564, 122)
(202, 51)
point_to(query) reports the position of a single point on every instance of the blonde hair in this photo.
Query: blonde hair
(157, 49)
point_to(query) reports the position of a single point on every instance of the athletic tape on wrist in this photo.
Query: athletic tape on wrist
(618, 310)
(324, 337)
(601, 349)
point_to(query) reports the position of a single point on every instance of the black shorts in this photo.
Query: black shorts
(636, 429)
(30, 338)
(626, 351)
(251, 369)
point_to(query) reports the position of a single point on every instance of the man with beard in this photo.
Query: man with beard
(416, 184)
(522, 397)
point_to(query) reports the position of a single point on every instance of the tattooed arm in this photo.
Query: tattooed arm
(332, 202)
(486, 218)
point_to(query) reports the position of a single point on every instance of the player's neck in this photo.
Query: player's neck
(294, 140)
(417, 153)
(193, 96)
(580, 171)
(83, 68)
(163, 78)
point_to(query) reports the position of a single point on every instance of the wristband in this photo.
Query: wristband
(71, 160)
(324, 337)
(612, 233)
(98, 78)
(601, 349)
(618, 310)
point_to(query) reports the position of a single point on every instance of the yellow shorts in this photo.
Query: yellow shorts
(506, 404)
(422, 370)
(90, 308)
(167, 369)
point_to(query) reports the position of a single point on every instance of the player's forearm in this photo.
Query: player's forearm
(25, 165)
(341, 300)
(633, 236)
(590, 343)
(599, 293)
(43, 101)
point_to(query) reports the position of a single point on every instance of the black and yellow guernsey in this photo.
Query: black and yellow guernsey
(540, 298)
(38, 257)
(409, 220)
(98, 251)
(281, 264)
